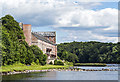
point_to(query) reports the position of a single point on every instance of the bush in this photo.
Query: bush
(42, 59)
(43, 62)
(69, 63)
(33, 63)
(55, 62)
(58, 62)
(18, 64)
(37, 61)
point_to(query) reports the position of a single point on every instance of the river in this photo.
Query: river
(68, 75)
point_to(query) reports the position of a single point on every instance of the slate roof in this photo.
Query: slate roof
(46, 33)
(41, 37)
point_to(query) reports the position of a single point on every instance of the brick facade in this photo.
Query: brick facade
(27, 33)
(46, 41)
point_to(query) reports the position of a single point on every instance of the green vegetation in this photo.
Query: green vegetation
(22, 67)
(14, 47)
(90, 64)
(58, 62)
(40, 58)
(68, 63)
(65, 55)
(18, 55)
(89, 52)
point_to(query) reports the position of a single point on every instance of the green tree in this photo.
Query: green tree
(72, 58)
(90, 52)
(64, 55)
(14, 47)
(39, 55)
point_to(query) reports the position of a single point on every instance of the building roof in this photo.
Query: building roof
(46, 33)
(41, 37)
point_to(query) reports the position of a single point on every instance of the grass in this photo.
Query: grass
(21, 67)
(89, 64)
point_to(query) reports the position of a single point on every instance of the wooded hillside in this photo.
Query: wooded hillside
(89, 52)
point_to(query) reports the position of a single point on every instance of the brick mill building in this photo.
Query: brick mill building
(46, 41)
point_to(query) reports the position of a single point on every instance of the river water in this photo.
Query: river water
(68, 75)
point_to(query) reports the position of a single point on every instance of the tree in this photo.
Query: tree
(58, 62)
(14, 47)
(64, 55)
(39, 55)
(72, 58)
(90, 52)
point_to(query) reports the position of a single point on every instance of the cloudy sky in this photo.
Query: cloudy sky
(73, 20)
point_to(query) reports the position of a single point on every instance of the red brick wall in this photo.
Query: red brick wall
(27, 33)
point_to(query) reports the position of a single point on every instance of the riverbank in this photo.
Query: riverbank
(90, 64)
(49, 70)
(22, 67)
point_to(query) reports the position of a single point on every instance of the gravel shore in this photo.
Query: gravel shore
(29, 71)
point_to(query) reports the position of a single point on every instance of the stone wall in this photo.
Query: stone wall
(44, 45)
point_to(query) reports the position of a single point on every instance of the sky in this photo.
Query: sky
(73, 20)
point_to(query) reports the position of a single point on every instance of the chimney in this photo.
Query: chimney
(27, 33)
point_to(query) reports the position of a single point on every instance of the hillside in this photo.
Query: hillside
(89, 52)
(14, 47)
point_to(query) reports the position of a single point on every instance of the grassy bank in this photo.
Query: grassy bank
(21, 67)
(89, 64)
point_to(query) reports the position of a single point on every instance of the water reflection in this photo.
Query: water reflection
(66, 75)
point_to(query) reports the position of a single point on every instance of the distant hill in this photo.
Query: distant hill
(89, 52)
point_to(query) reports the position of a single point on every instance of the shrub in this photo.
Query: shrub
(33, 63)
(58, 62)
(42, 59)
(69, 63)
(55, 62)
(18, 64)
(37, 61)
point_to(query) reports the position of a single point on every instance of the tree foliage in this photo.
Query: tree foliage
(14, 47)
(89, 52)
(58, 62)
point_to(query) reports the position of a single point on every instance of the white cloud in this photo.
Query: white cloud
(97, 0)
(65, 13)
(103, 38)
(85, 36)
(0, 9)
(90, 18)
